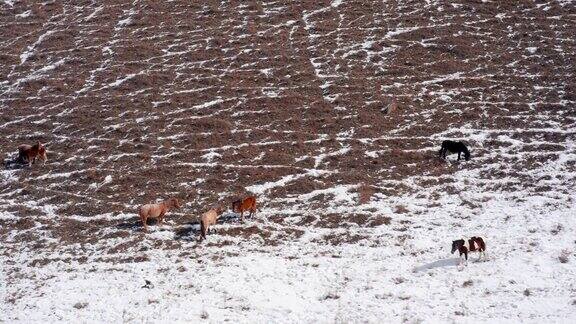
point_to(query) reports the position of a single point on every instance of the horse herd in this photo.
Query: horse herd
(29, 154)
(158, 211)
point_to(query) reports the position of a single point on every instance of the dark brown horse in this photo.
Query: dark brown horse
(29, 153)
(474, 244)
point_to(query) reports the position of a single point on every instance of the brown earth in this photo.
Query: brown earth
(142, 90)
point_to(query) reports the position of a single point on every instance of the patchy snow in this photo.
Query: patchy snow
(336, 3)
(121, 80)
(261, 189)
(107, 180)
(30, 50)
(211, 156)
(25, 14)
(420, 280)
(356, 213)
(126, 21)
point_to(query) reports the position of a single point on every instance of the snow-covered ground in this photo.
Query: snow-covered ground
(398, 272)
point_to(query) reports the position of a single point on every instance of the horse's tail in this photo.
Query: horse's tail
(140, 212)
(203, 229)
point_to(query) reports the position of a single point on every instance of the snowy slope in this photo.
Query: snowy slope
(142, 100)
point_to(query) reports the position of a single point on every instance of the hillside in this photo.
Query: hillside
(289, 100)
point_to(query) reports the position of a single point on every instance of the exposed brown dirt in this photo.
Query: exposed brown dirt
(134, 112)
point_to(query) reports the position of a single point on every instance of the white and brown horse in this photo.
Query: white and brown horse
(157, 211)
(464, 246)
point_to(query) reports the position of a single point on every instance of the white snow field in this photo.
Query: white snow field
(209, 101)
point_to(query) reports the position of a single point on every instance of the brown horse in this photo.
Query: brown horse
(209, 218)
(29, 153)
(474, 244)
(246, 204)
(157, 211)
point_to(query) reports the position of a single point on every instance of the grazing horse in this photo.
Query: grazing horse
(474, 244)
(246, 204)
(454, 147)
(207, 219)
(29, 153)
(157, 211)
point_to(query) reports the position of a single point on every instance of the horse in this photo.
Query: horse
(207, 219)
(454, 147)
(474, 244)
(246, 204)
(158, 210)
(29, 153)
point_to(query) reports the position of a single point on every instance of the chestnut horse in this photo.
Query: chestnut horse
(29, 153)
(246, 204)
(157, 211)
(209, 218)
(474, 244)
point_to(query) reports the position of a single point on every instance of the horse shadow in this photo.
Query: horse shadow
(134, 225)
(188, 231)
(14, 164)
(228, 217)
(191, 230)
(443, 263)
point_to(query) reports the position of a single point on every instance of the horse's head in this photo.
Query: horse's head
(456, 245)
(42, 152)
(174, 202)
(236, 206)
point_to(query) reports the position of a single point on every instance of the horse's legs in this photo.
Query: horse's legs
(242, 215)
(143, 218)
(161, 217)
(458, 156)
(443, 152)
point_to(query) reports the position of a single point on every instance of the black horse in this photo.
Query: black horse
(454, 147)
